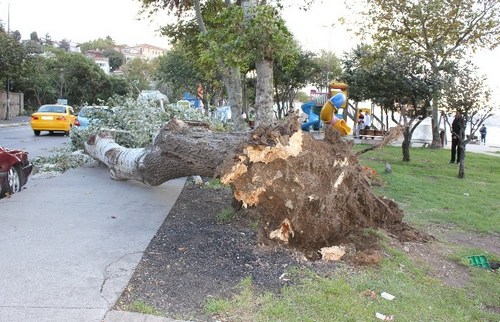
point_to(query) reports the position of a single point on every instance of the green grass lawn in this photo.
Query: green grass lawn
(428, 190)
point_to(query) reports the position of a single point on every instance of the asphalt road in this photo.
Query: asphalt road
(22, 137)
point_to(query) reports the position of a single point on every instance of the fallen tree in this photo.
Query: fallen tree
(308, 193)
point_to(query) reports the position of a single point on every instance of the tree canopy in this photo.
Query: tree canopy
(436, 31)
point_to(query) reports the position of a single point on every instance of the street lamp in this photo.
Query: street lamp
(328, 53)
(8, 79)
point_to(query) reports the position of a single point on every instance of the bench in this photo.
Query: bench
(373, 137)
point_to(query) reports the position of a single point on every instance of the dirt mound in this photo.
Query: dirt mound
(309, 193)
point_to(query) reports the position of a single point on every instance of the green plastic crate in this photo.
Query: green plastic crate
(479, 261)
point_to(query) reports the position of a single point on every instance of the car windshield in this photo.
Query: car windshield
(52, 109)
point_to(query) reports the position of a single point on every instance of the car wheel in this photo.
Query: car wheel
(37, 132)
(13, 181)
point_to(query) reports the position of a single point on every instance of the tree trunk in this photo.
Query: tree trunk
(436, 138)
(461, 166)
(231, 77)
(264, 92)
(405, 146)
(308, 193)
(232, 81)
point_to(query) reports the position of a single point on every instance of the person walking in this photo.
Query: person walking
(457, 135)
(483, 134)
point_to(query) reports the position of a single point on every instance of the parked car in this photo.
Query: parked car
(90, 114)
(52, 118)
(14, 171)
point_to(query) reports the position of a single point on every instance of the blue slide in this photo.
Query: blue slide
(313, 118)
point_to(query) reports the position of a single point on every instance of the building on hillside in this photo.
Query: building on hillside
(143, 51)
(99, 59)
(149, 51)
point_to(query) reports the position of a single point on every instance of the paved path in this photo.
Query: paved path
(69, 244)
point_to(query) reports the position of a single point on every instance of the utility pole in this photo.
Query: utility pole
(8, 80)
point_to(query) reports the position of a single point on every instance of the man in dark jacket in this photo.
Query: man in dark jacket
(457, 135)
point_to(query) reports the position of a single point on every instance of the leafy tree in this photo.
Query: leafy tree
(34, 37)
(78, 78)
(291, 73)
(330, 69)
(467, 93)
(236, 33)
(302, 97)
(436, 31)
(178, 72)
(397, 82)
(100, 43)
(36, 82)
(116, 58)
(139, 74)
(33, 47)
(119, 86)
(16, 35)
(47, 41)
(12, 57)
(65, 45)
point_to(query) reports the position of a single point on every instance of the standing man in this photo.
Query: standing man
(457, 135)
(360, 125)
(368, 121)
(483, 134)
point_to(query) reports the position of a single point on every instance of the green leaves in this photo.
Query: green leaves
(12, 56)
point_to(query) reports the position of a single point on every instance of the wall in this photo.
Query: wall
(16, 104)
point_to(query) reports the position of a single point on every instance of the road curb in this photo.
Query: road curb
(124, 316)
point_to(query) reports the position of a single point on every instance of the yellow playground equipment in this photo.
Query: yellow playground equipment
(329, 111)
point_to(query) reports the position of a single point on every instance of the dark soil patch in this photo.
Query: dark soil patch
(436, 253)
(196, 256)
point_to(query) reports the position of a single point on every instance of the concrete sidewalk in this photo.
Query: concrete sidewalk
(70, 244)
(15, 121)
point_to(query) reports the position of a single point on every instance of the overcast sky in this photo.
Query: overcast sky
(80, 21)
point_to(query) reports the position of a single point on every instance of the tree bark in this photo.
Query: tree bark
(308, 193)
(231, 77)
(264, 91)
(405, 146)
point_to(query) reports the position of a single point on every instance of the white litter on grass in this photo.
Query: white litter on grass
(384, 317)
(283, 277)
(387, 296)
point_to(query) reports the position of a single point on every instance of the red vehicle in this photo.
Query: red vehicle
(14, 171)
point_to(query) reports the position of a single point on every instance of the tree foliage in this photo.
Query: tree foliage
(116, 58)
(291, 73)
(100, 43)
(467, 93)
(397, 82)
(140, 74)
(436, 31)
(329, 69)
(12, 56)
(178, 72)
